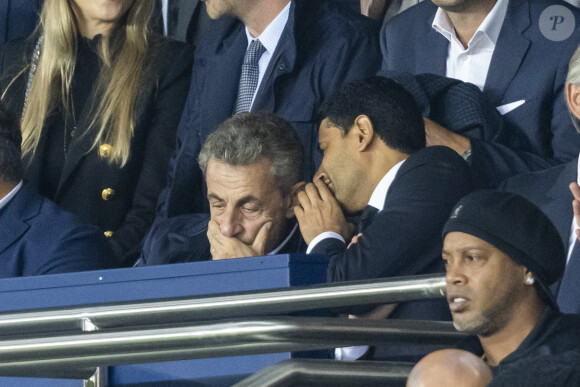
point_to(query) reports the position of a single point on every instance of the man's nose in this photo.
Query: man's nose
(229, 223)
(454, 274)
(320, 175)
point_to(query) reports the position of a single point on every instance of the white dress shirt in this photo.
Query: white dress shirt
(471, 64)
(377, 200)
(269, 39)
(4, 201)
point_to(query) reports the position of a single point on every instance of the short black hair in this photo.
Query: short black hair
(10, 153)
(395, 116)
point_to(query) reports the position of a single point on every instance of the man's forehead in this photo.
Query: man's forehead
(457, 240)
(238, 181)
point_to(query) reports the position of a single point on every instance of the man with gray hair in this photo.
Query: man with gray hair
(252, 169)
(553, 190)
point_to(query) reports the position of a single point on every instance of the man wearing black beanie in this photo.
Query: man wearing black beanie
(501, 254)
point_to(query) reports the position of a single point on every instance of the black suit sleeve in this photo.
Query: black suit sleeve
(404, 238)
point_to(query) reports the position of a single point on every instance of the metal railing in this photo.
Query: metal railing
(76, 356)
(313, 372)
(267, 302)
(51, 343)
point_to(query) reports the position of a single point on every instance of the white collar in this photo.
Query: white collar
(4, 201)
(490, 27)
(281, 245)
(380, 193)
(271, 35)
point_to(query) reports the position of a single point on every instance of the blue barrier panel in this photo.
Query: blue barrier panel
(178, 280)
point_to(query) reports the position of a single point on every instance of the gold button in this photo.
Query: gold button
(108, 234)
(105, 151)
(108, 194)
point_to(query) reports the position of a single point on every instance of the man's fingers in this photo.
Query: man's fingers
(575, 189)
(324, 192)
(312, 191)
(259, 244)
(303, 199)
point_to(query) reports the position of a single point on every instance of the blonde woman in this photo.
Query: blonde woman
(100, 99)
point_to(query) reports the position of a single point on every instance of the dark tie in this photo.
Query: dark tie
(249, 77)
(366, 218)
(569, 292)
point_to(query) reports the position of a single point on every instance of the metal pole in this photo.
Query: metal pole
(268, 302)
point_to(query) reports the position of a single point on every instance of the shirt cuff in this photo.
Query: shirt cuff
(323, 236)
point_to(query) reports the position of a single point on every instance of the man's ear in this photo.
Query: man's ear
(573, 98)
(292, 200)
(363, 132)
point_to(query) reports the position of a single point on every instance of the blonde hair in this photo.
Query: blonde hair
(123, 54)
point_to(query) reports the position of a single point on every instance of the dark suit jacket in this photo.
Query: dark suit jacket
(405, 237)
(549, 191)
(322, 47)
(525, 66)
(37, 237)
(183, 238)
(17, 19)
(130, 212)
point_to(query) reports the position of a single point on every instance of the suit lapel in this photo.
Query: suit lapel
(282, 62)
(509, 52)
(222, 80)
(559, 207)
(431, 52)
(13, 218)
(79, 146)
(186, 11)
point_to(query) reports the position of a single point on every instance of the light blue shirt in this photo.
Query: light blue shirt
(269, 39)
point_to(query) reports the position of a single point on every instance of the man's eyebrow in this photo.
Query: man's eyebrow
(213, 196)
(249, 199)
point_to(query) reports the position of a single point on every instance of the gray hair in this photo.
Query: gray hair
(574, 78)
(247, 138)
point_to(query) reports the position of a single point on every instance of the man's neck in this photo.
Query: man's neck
(380, 162)
(467, 21)
(257, 15)
(6, 188)
(501, 344)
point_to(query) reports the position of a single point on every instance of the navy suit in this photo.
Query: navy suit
(183, 238)
(327, 47)
(37, 237)
(549, 191)
(17, 19)
(525, 66)
(405, 237)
